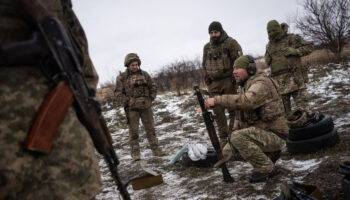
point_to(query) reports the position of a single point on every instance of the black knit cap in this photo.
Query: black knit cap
(215, 26)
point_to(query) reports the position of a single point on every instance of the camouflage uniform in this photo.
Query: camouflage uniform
(259, 118)
(136, 91)
(287, 69)
(71, 170)
(218, 66)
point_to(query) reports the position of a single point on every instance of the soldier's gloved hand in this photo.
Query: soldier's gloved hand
(290, 51)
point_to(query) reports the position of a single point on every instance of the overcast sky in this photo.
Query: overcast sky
(163, 31)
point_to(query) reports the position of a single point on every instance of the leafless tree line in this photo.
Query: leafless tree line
(326, 22)
(179, 75)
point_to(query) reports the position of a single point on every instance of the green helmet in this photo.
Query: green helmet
(274, 30)
(131, 57)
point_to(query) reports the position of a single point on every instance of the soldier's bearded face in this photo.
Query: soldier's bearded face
(134, 66)
(240, 74)
(215, 35)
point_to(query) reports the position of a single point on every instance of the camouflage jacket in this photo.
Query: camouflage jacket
(258, 104)
(218, 59)
(133, 86)
(287, 71)
(72, 164)
(16, 29)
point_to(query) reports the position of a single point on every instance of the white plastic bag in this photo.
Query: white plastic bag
(197, 152)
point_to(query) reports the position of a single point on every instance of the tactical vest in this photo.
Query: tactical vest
(279, 62)
(138, 85)
(137, 89)
(269, 111)
(215, 61)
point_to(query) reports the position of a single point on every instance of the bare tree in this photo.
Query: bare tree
(326, 22)
(179, 75)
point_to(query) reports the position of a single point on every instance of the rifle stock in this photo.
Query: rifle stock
(212, 135)
(71, 88)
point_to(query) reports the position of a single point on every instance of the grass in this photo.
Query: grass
(197, 180)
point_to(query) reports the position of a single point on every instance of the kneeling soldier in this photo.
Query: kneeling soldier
(136, 90)
(260, 126)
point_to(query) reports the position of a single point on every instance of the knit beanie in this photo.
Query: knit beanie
(216, 26)
(241, 62)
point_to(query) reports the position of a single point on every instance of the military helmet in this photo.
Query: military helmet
(131, 57)
(297, 119)
(246, 62)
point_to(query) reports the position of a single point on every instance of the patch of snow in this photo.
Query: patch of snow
(179, 186)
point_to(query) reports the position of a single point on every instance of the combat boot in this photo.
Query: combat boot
(257, 177)
(135, 150)
(157, 152)
(136, 156)
(274, 156)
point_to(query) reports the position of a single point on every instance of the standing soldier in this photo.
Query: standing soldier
(260, 127)
(136, 90)
(283, 54)
(218, 57)
(70, 170)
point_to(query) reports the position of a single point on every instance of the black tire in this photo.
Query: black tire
(312, 130)
(208, 162)
(313, 144)
(345, 184)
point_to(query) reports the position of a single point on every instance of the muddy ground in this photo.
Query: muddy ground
(178, 123)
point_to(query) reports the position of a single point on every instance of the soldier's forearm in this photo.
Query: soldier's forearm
(233, 101)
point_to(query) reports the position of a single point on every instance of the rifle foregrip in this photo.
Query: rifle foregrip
(50, 115)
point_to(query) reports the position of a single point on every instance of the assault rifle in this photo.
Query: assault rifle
(70, 88)
(212, 134)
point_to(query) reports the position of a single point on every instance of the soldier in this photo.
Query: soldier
(136, 90)
(71, 169)
(218, 57)
(260, 124)
(283, 54)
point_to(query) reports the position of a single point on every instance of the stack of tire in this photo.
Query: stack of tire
(313, 136)
(210, 160)
(344, 168)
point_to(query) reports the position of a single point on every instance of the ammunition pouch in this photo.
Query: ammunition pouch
(214, 63)
(140, 103)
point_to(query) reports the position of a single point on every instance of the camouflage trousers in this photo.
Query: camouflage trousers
(300, 98)
(147, 119)
(221, 87)
(251, 144)
(69, 171)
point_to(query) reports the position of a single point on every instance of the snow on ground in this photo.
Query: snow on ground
(178, 123)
